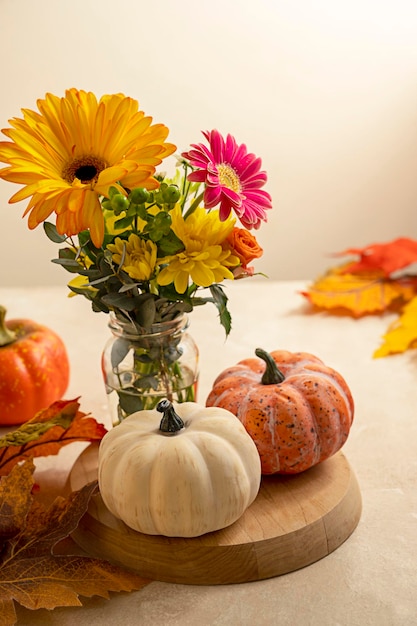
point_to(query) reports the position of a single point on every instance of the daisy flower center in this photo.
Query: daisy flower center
(86, 169)
(228, 177)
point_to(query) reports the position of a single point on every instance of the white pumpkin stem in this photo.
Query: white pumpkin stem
(171, 422)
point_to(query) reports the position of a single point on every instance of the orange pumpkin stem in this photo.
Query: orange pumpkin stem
(6, 335)
(171, 422)
(272, 375)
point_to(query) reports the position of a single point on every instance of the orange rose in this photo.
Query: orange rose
(244, 245)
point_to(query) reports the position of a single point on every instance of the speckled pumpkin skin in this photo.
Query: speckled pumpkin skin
(295, 424)
(34, 371)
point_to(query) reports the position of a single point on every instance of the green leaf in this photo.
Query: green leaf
(91, 273)
(84, 237)
(105, 264)
(129, 400)
(69, 264)
(124, 222)
(68, 253)
(200, 301)
(220, 300)
(170, 244)
(98, 281)
(170, 294)
(119, 350)
(196, 202)
(52, 233)
(119, 301)
(146, 382)
(166, 310)
(145, 315)
(67, 258)
(87, 245)
(131, 286)
(83, 292)
(99, 307)
(143, 305)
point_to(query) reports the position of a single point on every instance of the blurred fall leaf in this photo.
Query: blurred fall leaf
(402, 333)
(359, 294)
(46, 433)
(386, 257)
(30, 573)
(376, 283)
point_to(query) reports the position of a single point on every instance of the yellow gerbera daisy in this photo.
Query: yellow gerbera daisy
(73, 150)
(139, 256)
(203, 259)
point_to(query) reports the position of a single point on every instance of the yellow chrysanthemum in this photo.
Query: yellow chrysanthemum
(73, 150)
(139, 256)
(203, 259)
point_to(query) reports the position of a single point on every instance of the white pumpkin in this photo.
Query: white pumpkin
(198, 478)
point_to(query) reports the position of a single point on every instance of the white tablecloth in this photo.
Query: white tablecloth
(372, 578)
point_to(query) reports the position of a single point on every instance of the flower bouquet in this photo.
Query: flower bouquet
(144, 247)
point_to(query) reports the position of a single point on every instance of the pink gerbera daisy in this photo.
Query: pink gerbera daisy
(233, 179)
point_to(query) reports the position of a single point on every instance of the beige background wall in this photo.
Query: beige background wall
(324, 91)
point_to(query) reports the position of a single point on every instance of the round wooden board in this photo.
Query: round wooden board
(294, 521)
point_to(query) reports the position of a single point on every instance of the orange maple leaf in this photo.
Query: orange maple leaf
(359, 294)
(47, 432)
(31, 574)
(387, 257)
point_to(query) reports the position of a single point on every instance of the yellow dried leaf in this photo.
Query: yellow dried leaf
(402, 333)
(358, 294)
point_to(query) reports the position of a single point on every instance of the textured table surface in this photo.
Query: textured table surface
(372, 578)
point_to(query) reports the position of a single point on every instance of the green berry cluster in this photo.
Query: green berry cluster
(139, 204)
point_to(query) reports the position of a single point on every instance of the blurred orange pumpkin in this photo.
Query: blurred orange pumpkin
(34, 369)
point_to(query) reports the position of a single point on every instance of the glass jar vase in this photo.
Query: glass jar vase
(141, 368)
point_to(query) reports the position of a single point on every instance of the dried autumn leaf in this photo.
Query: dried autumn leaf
(402, 333)
(387, 257)
(358, 294)
(30, 573)
(15, 500)
(46, 433)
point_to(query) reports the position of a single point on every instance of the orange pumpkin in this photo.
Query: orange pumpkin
(297, 410)
(34, 369)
